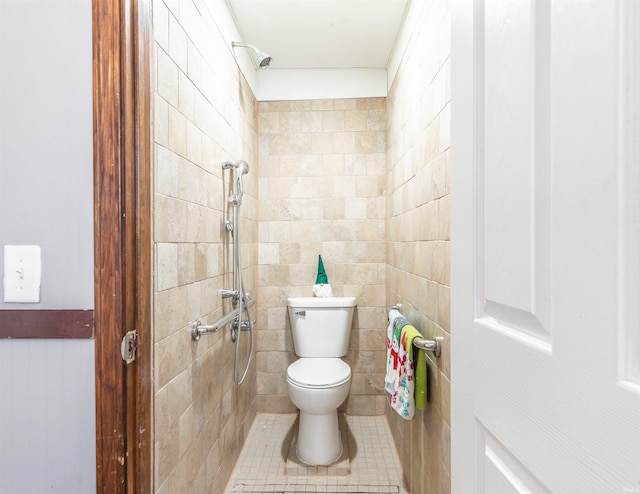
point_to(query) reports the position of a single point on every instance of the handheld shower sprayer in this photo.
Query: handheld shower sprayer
(240, 168)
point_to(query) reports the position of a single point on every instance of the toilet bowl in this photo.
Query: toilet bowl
(319, 381)
(317, 387)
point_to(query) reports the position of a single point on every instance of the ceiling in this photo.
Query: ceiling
(308, 34)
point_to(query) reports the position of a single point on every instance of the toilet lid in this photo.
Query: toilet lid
(318, 372)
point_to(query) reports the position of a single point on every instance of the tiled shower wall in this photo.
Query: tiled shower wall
(322, 191)
(204, 114)
(418, 133)
(363, 182)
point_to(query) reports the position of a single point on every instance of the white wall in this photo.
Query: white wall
(47, 395)
(46, 152)
(47, 417)
(309, 84)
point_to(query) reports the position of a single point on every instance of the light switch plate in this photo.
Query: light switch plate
(22, 273)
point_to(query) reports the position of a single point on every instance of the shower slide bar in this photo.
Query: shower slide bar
(434, 346)
(198, 329)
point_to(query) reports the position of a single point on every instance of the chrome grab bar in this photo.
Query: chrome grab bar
(198, 329)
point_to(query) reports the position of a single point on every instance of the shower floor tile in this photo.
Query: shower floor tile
(374, 464)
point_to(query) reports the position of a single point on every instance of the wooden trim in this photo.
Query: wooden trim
(137, 203)
(46, 324)
(110, 427)
(122, 164)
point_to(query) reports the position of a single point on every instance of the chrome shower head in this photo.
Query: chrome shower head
(263, 59)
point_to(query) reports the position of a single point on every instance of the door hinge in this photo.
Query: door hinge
(128, 347)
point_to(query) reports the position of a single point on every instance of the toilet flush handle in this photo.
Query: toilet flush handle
(300, 312)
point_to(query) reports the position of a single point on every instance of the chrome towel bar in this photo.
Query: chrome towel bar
(434, 345)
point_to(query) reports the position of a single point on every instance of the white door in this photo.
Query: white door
(545, 181)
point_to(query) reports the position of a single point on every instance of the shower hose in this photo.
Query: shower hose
(238, 283)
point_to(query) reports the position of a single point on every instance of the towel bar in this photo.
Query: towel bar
(434, 346)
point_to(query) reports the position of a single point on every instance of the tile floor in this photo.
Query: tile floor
(262, 466)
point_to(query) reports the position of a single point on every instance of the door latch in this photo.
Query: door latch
(128, 347)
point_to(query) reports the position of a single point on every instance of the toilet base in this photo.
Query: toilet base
(296, 467)
(319, 441)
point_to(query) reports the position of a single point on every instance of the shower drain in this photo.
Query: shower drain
(286, 488)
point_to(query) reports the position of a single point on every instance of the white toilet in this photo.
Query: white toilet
(319, 381)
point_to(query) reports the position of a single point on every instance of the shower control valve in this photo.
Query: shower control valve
(247, 325)
(230, 294)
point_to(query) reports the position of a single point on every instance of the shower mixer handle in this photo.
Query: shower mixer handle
(246, 325)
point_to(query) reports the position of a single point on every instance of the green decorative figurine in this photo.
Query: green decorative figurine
(322, 288)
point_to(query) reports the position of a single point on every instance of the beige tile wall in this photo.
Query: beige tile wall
(363, 182)
(418, 154)
(322, 191)
(203, 115)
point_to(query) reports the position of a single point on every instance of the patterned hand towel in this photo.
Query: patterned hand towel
(403, 401)
(396, 321)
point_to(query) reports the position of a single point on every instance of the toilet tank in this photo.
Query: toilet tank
(321, 326)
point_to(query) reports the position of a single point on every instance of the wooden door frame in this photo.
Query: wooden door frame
(123, 248)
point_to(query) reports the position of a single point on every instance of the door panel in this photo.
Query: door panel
(503, 473)
(541, 249)
(512, 51)
(629, 347)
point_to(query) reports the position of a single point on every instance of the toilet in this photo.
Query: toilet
(318, 382)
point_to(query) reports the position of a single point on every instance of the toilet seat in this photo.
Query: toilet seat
(318, 373)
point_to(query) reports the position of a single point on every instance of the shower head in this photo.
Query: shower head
(263, 59)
